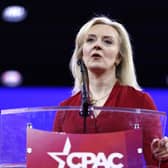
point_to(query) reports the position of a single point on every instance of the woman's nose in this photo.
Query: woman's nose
(97, 45)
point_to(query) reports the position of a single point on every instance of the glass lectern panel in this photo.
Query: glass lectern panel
(16, 125)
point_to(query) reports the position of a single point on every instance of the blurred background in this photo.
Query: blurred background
(37, 41)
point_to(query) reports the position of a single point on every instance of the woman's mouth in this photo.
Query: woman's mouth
(96, 55)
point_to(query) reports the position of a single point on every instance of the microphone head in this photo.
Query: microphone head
(79, 62)
(82, 65)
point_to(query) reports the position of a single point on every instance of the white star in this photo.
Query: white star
(66, 150)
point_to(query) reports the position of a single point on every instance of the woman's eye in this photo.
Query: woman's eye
(89, 40)
(108, 41)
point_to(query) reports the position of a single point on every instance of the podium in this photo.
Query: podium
(27, 139)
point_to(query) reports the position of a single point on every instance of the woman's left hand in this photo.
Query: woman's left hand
(159, 148)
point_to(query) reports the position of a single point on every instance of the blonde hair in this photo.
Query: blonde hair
(125, 71)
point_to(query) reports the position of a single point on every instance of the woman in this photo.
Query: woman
(104, 47)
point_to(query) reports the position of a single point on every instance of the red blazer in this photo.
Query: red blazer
(120, 96)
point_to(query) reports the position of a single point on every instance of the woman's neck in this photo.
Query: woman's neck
(101, 85)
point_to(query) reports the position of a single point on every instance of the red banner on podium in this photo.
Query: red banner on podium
(103, 150)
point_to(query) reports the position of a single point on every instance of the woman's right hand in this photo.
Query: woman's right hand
(159, 148)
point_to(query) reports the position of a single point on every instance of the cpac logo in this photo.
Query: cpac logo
(85, 158)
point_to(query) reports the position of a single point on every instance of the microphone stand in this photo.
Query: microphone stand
(85, 93)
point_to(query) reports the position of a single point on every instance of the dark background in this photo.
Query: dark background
(40, 47)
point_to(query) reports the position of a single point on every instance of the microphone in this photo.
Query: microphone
(85, 89)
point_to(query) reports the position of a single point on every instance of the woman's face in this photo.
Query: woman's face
(101, 48)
